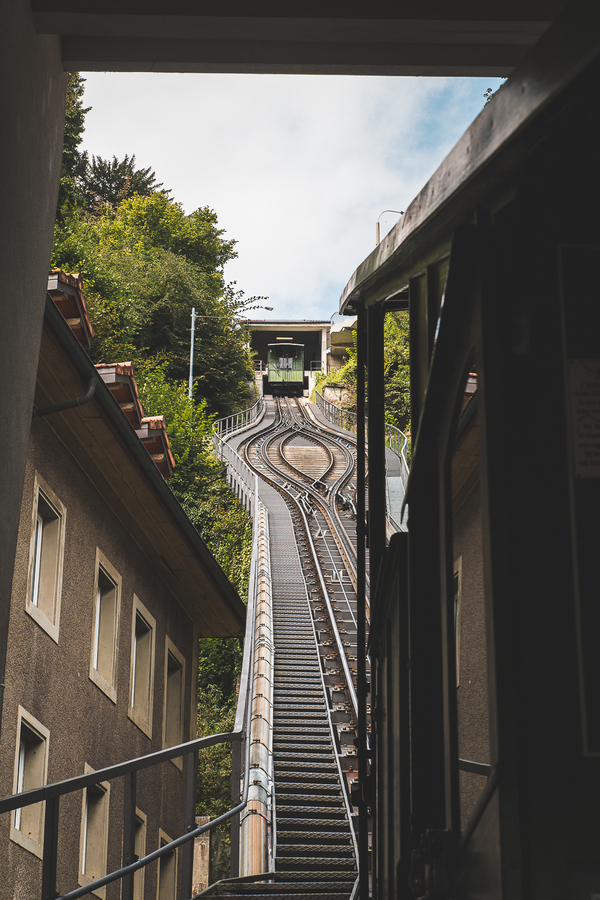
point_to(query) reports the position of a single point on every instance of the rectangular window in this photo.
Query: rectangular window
(46, 558)
(173, 698)
(105, 633)
(141, 697)
(31, 769)
(140, 852)
(93, 843)
(167, 870)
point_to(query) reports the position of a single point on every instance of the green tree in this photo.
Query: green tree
(144, 266)
(397, 370)
(157, 222)
(396, 356)
(71, 193)
(109, 182)
(196, 480)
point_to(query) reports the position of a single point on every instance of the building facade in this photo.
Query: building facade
(102, 650)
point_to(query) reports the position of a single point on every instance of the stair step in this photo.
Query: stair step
(341, 889)
(309, 837)
(326, 863)
(284, 823)
(297, 761)
(285, 773)
(294, 802)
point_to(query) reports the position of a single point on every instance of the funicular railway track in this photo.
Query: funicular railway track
(314, 691)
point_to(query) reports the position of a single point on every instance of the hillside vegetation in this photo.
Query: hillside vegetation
(396, 373)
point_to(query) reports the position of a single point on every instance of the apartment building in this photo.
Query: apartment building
(112, 589)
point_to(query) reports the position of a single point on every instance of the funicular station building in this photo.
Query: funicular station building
(313, 335)
(485, 615)
(320, 345)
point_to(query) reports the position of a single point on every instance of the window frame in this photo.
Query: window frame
(163, 838)
(139, 876)
(49, 622)
(171, 649)
(83, 878)
(43, 734)
(103, 567)
(144, 723)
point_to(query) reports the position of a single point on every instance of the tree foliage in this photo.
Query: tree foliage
(145, 265)
(396, 356)
(74, 162)
(397, 370)
(109, 182)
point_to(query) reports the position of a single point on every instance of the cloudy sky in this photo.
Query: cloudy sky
(297, 168)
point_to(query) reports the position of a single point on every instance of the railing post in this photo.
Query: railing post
(50, 849)
(129, 805)
(190, 823)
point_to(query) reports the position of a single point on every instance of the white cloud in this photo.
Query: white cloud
(297, 168)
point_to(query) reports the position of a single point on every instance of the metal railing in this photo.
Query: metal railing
(50, 794)
(395, 439)
(238, 421)
(343, 418)
(258, 828)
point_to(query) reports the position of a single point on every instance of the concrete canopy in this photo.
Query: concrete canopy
(441, 37)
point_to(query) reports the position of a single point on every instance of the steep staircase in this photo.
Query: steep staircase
(315, 851)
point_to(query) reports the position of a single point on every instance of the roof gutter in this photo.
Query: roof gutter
(122, 425)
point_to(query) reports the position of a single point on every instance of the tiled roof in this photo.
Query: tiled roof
(119, 378)
(151, 430)
(154, 437)
(66, 291)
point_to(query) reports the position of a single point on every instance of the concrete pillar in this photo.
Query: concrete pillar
(32, 115)
(324, 345)
(201, 870)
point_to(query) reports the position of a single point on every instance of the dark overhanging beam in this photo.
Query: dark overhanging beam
(451, 38)
(289, 57)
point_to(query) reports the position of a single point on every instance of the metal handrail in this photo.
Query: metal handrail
(240, 475)
(343, 418)
(395, 439)
(78, 782)
(51, 793)
(238, 421)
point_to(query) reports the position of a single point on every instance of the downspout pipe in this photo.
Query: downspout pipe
(68, 404)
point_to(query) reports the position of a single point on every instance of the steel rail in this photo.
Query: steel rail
(337, 755)
(347, 551)
(338, 531)
(299, 506)
(339, 442)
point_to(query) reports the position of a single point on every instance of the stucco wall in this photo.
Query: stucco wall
(51, 680)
